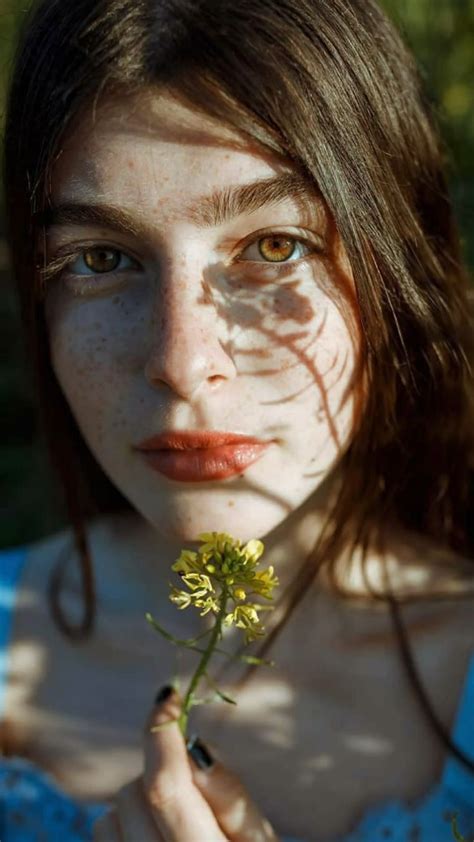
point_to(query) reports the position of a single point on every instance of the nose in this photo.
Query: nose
(186, 353)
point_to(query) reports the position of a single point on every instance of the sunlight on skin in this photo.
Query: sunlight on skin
(268, 706)
(368, 744)
(72, 726)
(30, 665)
(412, 578)
(320, 762)
(313, 768)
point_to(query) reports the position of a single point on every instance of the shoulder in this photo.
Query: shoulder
(436, 606)
(32, 642)
(433, 590)
(47, 553)
(418, 569)
(31, 626)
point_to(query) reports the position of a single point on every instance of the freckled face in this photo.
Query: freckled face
(246, 326)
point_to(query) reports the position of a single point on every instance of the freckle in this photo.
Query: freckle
(230, 504)
(131, 165)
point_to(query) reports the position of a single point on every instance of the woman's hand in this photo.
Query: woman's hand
(183, 795)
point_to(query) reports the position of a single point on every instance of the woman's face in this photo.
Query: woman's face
(189, 303)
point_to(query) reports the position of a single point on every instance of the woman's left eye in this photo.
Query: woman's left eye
(278, 248)
(99, 260)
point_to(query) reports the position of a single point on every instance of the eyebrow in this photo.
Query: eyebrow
(219, 207)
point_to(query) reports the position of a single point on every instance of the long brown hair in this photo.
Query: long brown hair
(331, 86)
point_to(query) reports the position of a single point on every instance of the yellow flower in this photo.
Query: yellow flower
(181, 598)
(264, 581)
(229, 563)
(200, 581)
(199, 594)
(217, 542)
(253, 550)
(223, 569)
(221, 578)
(246, 617)
(208, 604)
(187, 563)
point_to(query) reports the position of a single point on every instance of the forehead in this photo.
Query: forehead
(130, 142)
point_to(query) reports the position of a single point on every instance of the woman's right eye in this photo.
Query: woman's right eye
(100, 260)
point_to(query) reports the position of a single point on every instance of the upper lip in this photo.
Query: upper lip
(195, 439)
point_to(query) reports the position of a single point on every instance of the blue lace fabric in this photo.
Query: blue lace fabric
(34, 809)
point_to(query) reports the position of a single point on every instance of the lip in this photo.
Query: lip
(195, 439)
(195, 456)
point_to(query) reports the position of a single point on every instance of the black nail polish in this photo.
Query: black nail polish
(199, 753)
(163, 694)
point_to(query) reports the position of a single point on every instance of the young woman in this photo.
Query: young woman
(242, 293)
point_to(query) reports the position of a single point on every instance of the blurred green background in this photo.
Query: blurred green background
(440, 33)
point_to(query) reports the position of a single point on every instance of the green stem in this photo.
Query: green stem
(454, 827)
(201, 668)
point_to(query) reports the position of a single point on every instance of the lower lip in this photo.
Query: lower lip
(204, 465)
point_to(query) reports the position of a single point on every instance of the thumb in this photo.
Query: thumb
(237, 814)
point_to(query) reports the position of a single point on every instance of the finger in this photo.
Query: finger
(181, 813)
(135, 819)
(236, 813)
(106, 829)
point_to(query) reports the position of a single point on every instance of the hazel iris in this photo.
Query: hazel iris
(102, 259)
(276, 249)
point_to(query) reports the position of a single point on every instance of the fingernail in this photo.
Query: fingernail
(199, 753)
(163, 694)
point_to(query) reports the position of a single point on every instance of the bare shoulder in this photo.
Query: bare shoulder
(433, 589)
(43, 557)
(437, 599)
(34, 642)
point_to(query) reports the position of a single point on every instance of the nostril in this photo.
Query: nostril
(215, 379)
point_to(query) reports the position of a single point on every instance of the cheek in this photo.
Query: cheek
(300, 336)
(298, 326)
(86, 342)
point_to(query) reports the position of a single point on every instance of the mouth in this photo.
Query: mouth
(195, 456)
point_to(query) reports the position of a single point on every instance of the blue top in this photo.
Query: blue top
(34, 809)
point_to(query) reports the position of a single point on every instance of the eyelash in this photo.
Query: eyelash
(58, 266)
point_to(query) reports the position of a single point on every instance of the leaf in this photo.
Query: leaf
(218, 692)
(188, 642)
(251, 659)
(454, 828)
(163, 725)
(247, 659)
(205, 701)
(224, 697)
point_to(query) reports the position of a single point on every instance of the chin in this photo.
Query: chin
(183, 524)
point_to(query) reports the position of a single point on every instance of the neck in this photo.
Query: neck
(132, 560)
